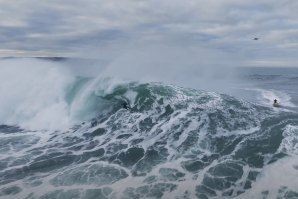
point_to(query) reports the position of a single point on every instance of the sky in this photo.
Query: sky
(213, 31)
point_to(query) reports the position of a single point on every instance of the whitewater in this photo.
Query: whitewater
(67, 136)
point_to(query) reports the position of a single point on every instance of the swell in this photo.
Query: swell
(170, 142)
(166, 142)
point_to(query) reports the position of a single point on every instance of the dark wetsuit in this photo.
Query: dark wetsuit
(125, 105)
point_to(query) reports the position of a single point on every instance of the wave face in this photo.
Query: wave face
(152, 141)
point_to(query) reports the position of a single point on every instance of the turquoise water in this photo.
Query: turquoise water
(172, 142)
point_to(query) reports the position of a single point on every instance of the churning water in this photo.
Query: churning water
(69, 137)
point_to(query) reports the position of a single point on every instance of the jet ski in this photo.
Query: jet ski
(276, 104)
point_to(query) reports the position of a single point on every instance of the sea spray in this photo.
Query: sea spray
(171, 142)
(33, 94)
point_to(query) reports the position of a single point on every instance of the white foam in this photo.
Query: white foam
(131, 96)
(33, 94)
(283, 173)
(290, 142)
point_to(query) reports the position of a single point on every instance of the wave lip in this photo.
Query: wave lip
(167, 142)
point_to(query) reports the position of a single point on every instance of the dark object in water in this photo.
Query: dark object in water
(275, 103)
(125, 105)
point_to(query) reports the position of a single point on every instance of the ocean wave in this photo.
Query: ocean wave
(122, 139)
(170, 142)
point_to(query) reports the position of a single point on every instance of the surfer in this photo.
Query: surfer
(125, 105)
(275, 103)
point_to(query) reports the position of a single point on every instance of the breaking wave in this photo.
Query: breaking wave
(101, 138)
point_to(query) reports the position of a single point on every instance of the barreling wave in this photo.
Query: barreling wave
(145, 140)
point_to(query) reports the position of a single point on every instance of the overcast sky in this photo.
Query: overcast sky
(109, 28)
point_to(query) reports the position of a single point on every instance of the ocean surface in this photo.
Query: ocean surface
(65, 136)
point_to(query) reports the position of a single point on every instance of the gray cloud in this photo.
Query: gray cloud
(93, 27)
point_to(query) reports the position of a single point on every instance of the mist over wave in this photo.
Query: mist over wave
(187, 66)
(57, 93)
(33, 94)
(83, 137)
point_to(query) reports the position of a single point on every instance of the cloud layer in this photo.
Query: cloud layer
(101, 28)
